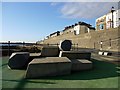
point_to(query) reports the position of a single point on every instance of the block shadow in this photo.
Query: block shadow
(21, 83)
(101, 69)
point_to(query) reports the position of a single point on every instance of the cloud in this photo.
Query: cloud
(54, 3)
(86, 9)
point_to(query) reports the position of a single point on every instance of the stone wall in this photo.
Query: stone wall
(110, 39)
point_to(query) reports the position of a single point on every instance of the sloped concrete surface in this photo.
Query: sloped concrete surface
(49, 66)
(81, 64)
(50, 51)
(75, 54)
(65, 45)
(18, 60)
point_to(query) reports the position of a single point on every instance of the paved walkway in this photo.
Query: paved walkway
(113, 59)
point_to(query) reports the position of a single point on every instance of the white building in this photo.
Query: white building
(77, 29)
(110, 20)
(116, 19)
(82, 27)
(101, 23)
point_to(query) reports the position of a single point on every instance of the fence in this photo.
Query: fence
(74, 45)
(9, 47)
(107, 44)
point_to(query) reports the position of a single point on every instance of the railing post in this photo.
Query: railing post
(8, 48)
(110, 42)
(101, 45)
(23, 44)
(77, 46)
(57, 45)
(74, 46)
(94, 45)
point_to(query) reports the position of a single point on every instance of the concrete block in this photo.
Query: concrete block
(49, 66)
(107, 54)
(100, 53)
(78, 64)
(65, 45)
(50, 51)
(75, 55)
(18, 60)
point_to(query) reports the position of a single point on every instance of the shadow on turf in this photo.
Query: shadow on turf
(100, 70)
(22, 83)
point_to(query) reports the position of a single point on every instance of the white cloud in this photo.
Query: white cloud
(54, 3)
(86, 9)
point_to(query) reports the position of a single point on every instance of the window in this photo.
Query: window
(101, 26)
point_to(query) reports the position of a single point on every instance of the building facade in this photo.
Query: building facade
(101, 23)
(82, 27)
(110, 20)
(113, 19)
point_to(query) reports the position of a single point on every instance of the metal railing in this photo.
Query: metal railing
(74, 45)
(11, 46)
(106, 43)
(7, 47)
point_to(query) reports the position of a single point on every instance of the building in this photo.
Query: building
(54, 34)
(101, 23)
(113, 19)
(82, 27)
(68, 29)
(110, 20)
(79, 28)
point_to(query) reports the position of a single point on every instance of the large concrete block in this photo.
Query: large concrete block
(75, 54)
(78, 64)
(65, 45)
(18, 60)
(49, 66)
(50, 51)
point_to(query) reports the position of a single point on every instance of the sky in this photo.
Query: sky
(33, 21)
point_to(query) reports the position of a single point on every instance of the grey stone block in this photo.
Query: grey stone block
(65, 45)
(75, 55)
(100, 53)
(78, 65)
(107, 54)
(49, 66)
(50, 51)
(18, 60)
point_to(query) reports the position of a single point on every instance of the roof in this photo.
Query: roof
(55, 33)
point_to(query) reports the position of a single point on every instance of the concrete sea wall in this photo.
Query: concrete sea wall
(110, 39)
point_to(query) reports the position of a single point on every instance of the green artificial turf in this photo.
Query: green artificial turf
(103, 75)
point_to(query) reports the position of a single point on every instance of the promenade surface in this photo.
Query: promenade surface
(103, 75)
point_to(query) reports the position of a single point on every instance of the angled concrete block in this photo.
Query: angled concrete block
(65, 45)
(49, 66)
(18, 60)
(75, 54)
(100, 53)
(78, 64)
(50, 51)
(107, 54)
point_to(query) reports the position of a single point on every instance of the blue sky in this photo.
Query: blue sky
(33, 21)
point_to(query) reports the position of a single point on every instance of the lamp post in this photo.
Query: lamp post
(112, 10)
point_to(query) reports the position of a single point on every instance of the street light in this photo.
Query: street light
(112, 10)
